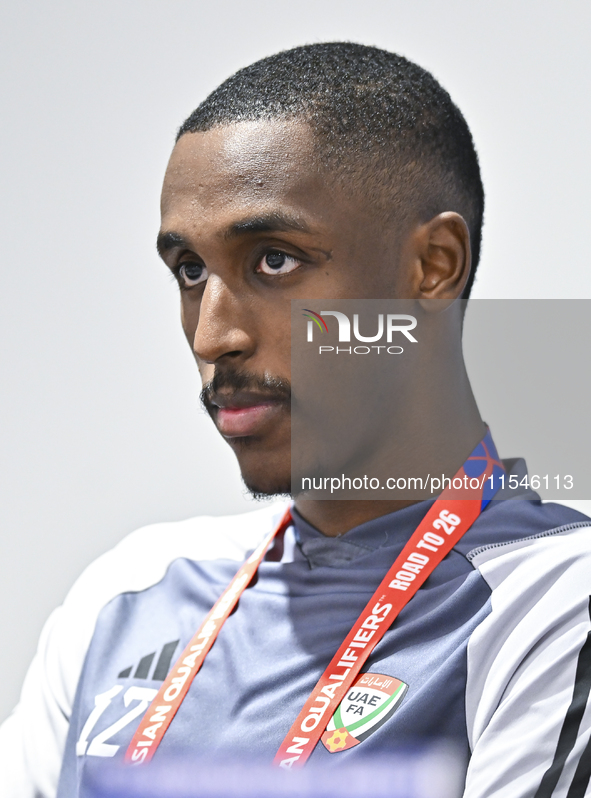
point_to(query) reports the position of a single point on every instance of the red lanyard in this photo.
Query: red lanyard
(439, 531)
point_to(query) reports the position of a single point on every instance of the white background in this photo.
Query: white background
(101, 429)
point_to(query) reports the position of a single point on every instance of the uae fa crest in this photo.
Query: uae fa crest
(369, 703)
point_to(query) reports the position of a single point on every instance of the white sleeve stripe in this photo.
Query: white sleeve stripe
(570, 730)
(580, 782)
(509, 545)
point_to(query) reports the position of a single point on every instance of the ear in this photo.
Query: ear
(443, 258)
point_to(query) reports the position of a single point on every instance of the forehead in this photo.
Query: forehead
(233, 166)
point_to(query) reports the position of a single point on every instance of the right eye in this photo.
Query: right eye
(192, 273)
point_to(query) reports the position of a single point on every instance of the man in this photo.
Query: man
(343, 172)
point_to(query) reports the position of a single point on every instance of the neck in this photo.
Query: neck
(443, 437)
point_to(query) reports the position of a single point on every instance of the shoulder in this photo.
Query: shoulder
(525, 658)
(139, 562)
(33, 738)
(142, 558)
(539, 541)
(537, 566)
(540, 587)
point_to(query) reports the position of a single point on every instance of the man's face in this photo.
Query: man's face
(251, 221)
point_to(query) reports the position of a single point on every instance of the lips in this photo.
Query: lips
(244, 414)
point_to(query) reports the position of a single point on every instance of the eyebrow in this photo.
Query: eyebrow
(167, 241)
(267, 223)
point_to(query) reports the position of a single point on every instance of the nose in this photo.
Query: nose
(221, 330)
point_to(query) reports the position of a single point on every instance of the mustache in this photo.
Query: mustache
(231, 381)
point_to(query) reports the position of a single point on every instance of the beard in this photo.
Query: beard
(259, 495)
(229, 381)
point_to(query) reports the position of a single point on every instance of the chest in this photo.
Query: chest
(266, 661)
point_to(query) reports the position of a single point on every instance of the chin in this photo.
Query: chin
(261, 495)
(264, 482)
(265, 469)
(263, 486)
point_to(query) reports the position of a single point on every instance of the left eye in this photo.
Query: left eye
(277, 263)
(192, 273)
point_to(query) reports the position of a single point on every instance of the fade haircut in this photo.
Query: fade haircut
(378, 120)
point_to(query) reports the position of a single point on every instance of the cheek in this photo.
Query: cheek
(189, 319)
(206, 371)
(274, 341)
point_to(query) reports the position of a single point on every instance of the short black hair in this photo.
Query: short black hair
(376, 117)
